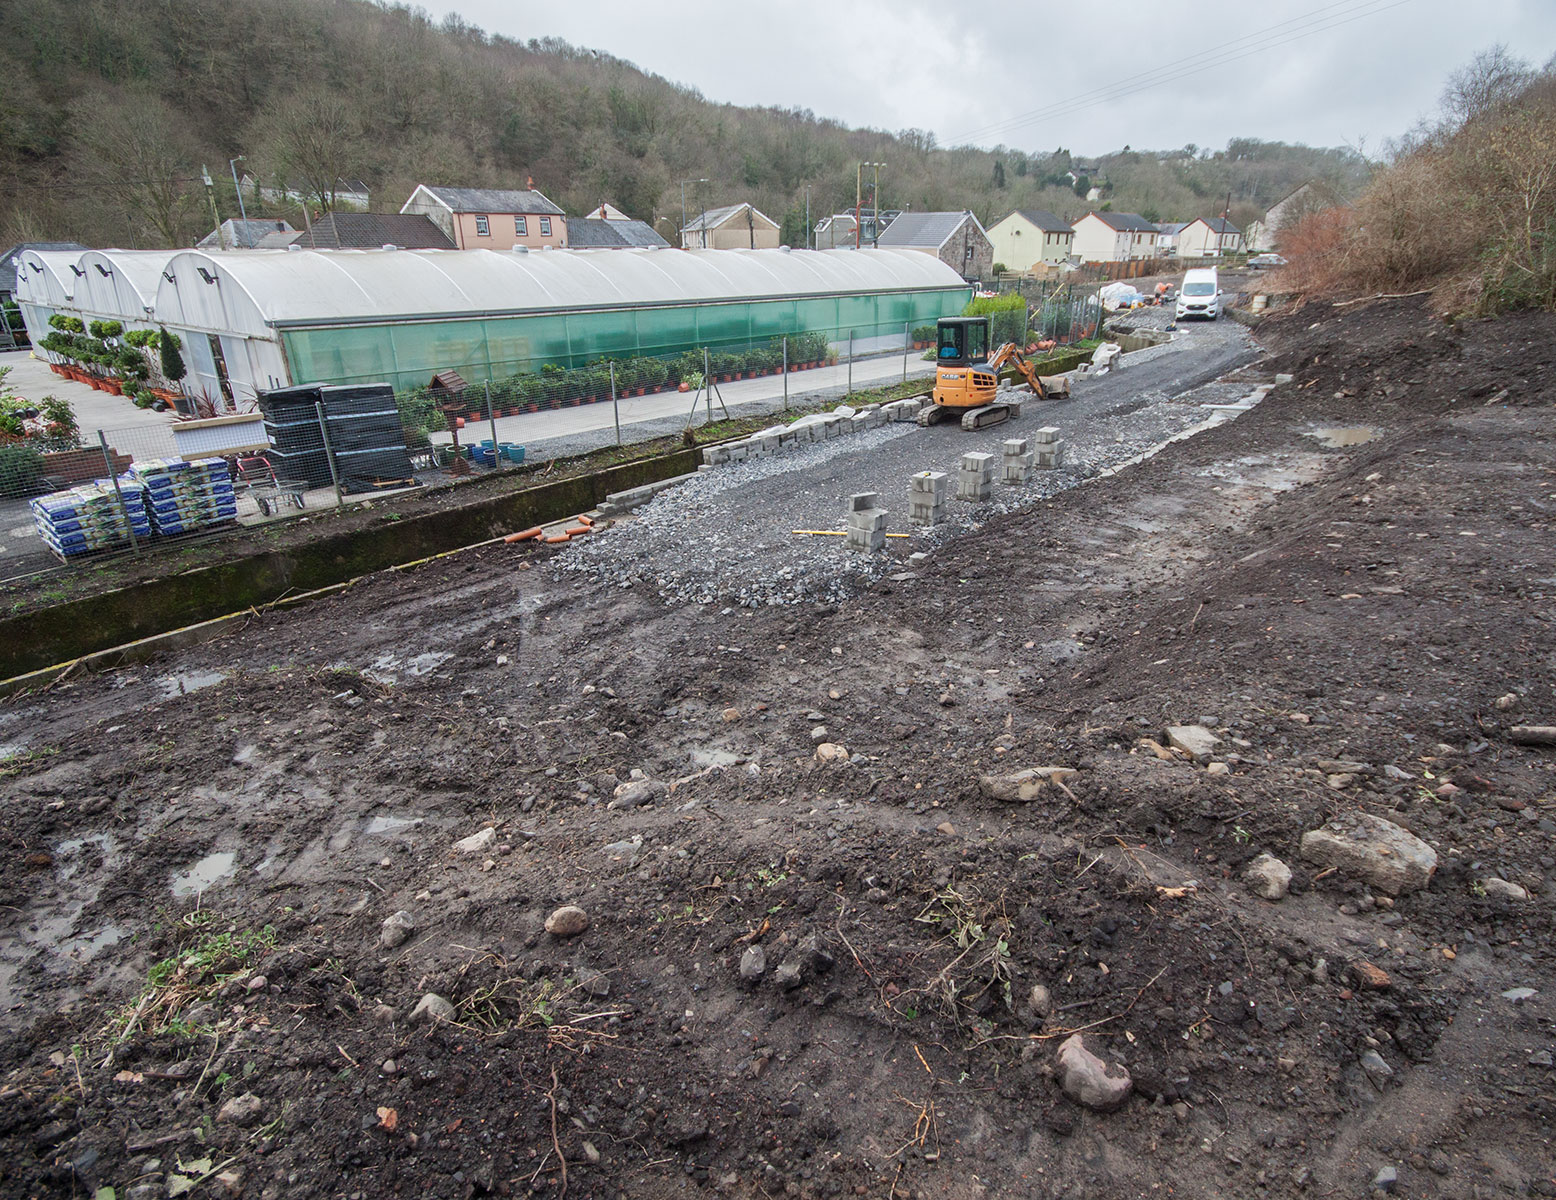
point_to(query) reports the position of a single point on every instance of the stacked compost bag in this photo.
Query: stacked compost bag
(182, 497)
(87, 519)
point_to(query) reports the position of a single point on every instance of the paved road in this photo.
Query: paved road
(31, 378)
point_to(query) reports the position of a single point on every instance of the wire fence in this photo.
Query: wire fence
(71, 497)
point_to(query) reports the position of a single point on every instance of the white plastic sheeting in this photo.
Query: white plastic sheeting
(252, 293)
(121, 284)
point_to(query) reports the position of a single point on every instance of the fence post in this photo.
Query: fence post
(329, 454)
(786, 373)
(491, 420)
(129, 525)
(615, 403)
(850, 391)
(907, 343)
(707, 383)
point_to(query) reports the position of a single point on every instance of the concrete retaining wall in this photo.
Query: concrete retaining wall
(34, 640)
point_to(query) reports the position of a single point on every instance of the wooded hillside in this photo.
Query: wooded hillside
(112, 106)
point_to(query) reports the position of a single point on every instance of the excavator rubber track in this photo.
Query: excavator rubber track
(981, 418)
(932, 414)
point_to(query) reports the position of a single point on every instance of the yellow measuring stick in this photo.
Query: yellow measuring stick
(836, 533)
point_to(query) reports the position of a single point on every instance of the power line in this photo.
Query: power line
(1267, 39)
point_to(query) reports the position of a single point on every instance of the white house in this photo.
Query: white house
(1113, 237)
(1206, 238)
(1167, 236)
(1313, 196)
(1029, 237)
(732, 227)
(840, 229)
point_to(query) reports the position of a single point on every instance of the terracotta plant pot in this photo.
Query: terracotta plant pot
(684, 386)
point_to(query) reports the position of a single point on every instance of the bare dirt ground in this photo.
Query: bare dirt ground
(198, 987)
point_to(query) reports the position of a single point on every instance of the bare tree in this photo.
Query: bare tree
(138, 150)
(313, 138)
(1494, 78)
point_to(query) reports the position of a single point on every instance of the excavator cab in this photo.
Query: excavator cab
(962, 341)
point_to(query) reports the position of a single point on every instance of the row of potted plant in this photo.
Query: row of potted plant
(105, 357)
(560, 387)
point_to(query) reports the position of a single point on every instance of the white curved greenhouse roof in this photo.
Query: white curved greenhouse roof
(247, 291)
(47, 277)
(121, 283)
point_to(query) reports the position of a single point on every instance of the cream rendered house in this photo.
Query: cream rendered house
(1031, 237)
(1202, 238)
(1113, 237)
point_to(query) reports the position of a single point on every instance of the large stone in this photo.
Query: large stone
(1194, 740)
(397, 929)
(753, 964)
(1088, 1080)
(831, 752)
(1378, 852)
(1268, 877)
(432, 1007)
(476, 842)
(567, 921)
(637, 792)
(1023, 786)
(241, 1110)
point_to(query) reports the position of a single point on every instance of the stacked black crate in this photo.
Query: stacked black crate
(297, 442)
(367, 437)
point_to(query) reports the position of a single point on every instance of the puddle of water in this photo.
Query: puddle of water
(386, 825)
(205, 874)
(85, 947)
(1338, 437)
(187, 681)
(714, 758)
(66, 854)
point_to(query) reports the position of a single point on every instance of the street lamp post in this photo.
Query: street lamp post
(210, 194)
(875, 206)
(684, 182)
(232, 164)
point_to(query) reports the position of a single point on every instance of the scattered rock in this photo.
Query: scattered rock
(1218, 768)
(731, 714)
(567, 921)
(432, 1007)
(637, 792)
(1377, 1070)
(946, 828)
(753, 964)
(819, 734)
(595, 983)
(1540, 1058)
(789, 975)
(476, 842)
(1268, 877)
(831, 752)
(1024, 786)
(1371, 977)
(397, 929)
(1390, 771)
(1340, 781)
(1379, 852)
(1088, 1080)
(1386, 1179)
(1194, 740)
(1504, 889)
(1508, 702)
(1519, 995)
(257, 984)
(241, 1110)
(1041, 1000)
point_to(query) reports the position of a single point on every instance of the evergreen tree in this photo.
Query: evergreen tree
(173, 368)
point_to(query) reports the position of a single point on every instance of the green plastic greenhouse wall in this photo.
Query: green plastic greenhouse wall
(408, 354)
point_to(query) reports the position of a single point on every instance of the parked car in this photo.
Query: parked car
(1264, 262)
(1200, 295)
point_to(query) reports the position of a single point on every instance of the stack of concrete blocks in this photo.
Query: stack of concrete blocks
(866, 522)
(975, 479)
(1016, 467)
(817, 427)
(926, 497)
(904, 410)
(1050, 450)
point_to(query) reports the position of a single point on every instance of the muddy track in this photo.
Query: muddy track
(1329, 613)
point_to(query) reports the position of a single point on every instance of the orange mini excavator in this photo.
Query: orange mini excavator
(967, 375)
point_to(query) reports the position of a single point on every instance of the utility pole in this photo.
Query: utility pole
(807, 218)
(210, 194)
(859, 198)
(232, 163)
(875, 204)
(684, 182)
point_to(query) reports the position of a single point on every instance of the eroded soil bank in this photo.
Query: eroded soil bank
(198, 984)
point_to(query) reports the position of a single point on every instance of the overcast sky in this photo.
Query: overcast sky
(1036, 74)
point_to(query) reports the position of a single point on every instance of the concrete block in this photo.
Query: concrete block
(932, 482)
(861, 501)
(1013, 403)
(1014, 446)
(871, 518)
(866, 539)
(1049, 433)
(737, 453)
(973, 487)
(1050, 456)
(977, 461)
(859, 422)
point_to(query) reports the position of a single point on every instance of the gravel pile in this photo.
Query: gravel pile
(728, 535)
(1142, 318)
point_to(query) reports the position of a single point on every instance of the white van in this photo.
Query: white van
(1200, 295)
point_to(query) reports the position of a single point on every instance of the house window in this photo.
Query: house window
(969, 253)
(521, 226)
(545, 226)
(483, 227)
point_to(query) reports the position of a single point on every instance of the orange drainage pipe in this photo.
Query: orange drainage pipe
(525, 536)
(578, 530)
(554, 538)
